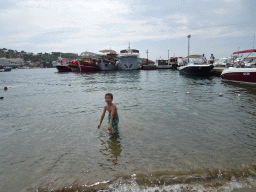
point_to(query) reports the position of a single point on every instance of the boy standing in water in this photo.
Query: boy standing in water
(113, 118)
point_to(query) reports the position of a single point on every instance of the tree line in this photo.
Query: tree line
(38, 59)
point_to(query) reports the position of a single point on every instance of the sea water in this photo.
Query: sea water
(176, 133)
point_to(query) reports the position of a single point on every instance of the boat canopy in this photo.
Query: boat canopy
(194, 56)
(245, 51)
(135, 51)
(107, 51)
(129, 51)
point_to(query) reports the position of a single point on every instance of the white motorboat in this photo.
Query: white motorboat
(249, 61)
(129, 59)
(240, 73)
(223, 62)
(196, 67)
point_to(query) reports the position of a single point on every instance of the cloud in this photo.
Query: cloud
(220, 11)
(59, 25)
(229, 1)
(178, 18)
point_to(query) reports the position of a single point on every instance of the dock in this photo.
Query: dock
(217, 70)
(148, 67)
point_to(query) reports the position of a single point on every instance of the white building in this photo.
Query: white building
(4, 62)
(16, 62)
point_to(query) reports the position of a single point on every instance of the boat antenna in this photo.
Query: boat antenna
(253, 42)
(168, 57)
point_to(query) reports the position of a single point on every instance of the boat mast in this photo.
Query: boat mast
(253, 42)
(168, 58)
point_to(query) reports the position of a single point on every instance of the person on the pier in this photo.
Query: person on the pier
(203, 58)
(212, 59)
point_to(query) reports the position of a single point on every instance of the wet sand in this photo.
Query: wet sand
(253, 189)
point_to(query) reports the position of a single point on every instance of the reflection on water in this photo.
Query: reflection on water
(244, 87)
(110, 148)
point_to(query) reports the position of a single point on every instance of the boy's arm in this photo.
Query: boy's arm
(102, 116)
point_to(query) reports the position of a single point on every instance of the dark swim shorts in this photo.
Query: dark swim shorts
(114, 122)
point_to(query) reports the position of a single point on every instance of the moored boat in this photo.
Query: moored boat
(196, 67)
(74, 66)
(129, 59)
(62, 65)
(108, 62)
(5, 68)
(223, 62)
(63, 68)
(162, 64)
(174, 62)
(240, 74)
(88, 64)
(247, 75)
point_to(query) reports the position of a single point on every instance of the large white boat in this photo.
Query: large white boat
(240, 73)
(129, 59)
(108, 62)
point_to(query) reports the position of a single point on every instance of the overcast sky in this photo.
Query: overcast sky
(216, 26)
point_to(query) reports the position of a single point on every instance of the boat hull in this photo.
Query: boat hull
(196, 70)
(63, 68)
(246, 75)
(104, 66)
(163, 66)
(88, 68)
(5, 69)
(74, 68)
(129, 63)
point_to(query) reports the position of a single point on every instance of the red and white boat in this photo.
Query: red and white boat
(74, 66)
(88, 64)
(62, 64)
(63, 68)
(245, 75)
(88, 68)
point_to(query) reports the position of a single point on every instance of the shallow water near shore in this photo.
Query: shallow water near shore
(176, 133)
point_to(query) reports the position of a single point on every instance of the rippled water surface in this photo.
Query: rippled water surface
(175, 131)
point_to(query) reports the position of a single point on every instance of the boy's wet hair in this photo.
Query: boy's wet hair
(110, 95)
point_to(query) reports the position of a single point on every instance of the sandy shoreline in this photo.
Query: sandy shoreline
(253, 189)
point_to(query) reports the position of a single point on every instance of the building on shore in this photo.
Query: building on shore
(17, 62)
(4, 62)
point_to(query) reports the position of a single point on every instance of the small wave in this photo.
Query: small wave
(213, 180)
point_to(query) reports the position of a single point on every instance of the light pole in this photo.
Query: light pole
(188, 46)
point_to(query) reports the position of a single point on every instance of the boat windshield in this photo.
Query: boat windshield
(225, 60)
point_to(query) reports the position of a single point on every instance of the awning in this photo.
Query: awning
(194, 56)
(245, 51)
(107, 51)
